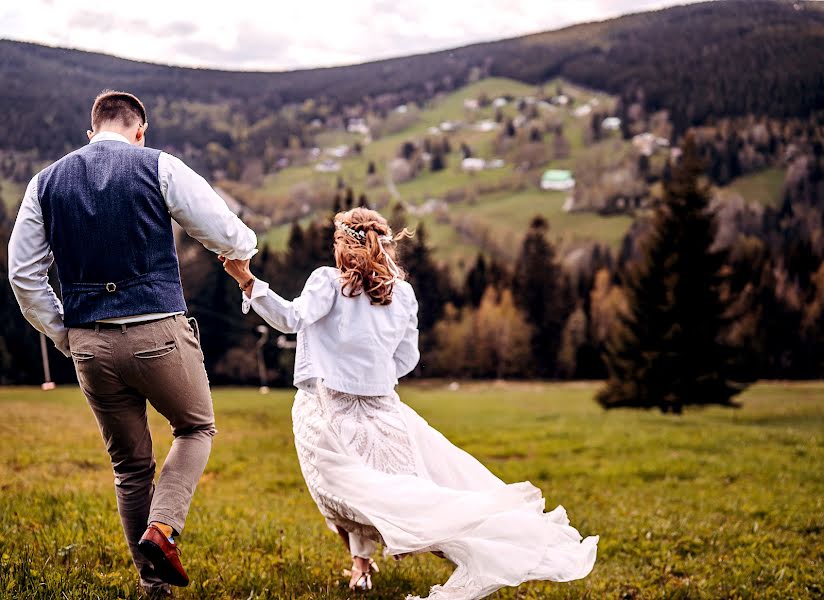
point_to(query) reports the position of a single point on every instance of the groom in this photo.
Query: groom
(104, 214)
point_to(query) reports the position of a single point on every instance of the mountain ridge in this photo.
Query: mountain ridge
(700, 61)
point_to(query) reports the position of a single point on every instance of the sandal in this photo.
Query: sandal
(361, 581)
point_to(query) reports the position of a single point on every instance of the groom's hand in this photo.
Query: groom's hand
(237, 269)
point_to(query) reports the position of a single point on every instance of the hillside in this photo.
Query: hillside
(660, 59)
(464, 211)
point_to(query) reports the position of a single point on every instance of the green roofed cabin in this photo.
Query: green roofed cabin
(557, 179)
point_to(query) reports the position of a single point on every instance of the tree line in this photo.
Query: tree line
(678, 316)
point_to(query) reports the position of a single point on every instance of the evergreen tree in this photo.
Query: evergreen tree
(538, 288)
(213, 299)
(438, 162)
(667, 350)
(476, 281)
(408, 150)
(509, 130)
(397, 219)
(430, 281)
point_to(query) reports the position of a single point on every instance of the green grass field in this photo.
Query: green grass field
(718, 503)
(763, 187)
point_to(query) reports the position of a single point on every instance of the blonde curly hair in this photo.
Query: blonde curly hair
(365, 254)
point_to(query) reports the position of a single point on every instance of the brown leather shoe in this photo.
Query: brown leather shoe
(164, 555)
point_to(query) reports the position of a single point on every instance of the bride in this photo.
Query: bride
(376, 470)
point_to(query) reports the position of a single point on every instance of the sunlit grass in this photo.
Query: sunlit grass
(718, 503)
(763, 187)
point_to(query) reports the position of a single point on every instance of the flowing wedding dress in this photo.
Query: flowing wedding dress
(376, 469)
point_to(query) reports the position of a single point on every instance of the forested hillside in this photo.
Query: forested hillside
(701, 61)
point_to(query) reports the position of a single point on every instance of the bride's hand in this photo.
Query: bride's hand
(237, 269)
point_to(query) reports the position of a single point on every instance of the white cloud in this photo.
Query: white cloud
(244, 34)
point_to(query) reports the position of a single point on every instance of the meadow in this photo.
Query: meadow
(718, 503)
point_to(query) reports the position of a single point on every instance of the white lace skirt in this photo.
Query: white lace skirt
(378, 470)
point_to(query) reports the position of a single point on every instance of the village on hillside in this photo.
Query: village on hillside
(475, 166)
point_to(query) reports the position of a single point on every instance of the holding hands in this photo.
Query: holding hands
(240, 272)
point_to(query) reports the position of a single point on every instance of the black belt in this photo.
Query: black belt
(121, 326)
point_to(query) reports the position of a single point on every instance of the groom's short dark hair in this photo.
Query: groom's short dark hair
(111, 105)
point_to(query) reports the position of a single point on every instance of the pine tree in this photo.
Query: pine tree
(667, 350)
(476, 281)
(397, 218)
(430, 281)
(438, 162)
(538, 289)
(509, 130)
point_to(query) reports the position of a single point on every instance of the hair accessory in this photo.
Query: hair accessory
(358, 235)
(383, 239)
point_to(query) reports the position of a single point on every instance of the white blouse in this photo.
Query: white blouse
(350, 344)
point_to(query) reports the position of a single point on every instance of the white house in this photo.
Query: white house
(647, 143)
(357, 126)
(327, 166)
(582, 111)
(473, 165)
(485, 125)
(557, 180)
(611, 124)
(337, 151)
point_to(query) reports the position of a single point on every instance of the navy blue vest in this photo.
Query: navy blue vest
(111, 234)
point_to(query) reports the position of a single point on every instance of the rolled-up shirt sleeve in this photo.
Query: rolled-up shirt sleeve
(290, 316)
(407, 354)
(30, 258)
(202, 212)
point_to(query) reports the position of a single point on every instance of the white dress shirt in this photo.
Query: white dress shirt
(191, 202)
(348, 343)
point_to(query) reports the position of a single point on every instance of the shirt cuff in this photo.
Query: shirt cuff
(248, 255)
(259, 289)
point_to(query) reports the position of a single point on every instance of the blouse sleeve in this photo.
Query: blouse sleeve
(314, 302)
(407, 354)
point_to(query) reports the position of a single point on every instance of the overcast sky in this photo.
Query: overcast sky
(278, 35)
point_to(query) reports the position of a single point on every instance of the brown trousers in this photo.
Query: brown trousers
(118, 370)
